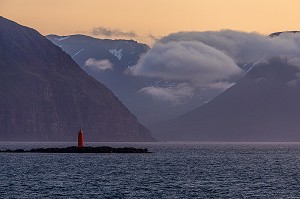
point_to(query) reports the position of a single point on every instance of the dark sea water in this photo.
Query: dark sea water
(173, 170)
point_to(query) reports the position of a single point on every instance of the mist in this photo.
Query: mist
(103, 31)
(210, 60)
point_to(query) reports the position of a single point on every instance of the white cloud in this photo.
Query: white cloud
(242, 46)
(175, 95)
(101, 65)
(210, 59)
(193, 62)
(112, 32)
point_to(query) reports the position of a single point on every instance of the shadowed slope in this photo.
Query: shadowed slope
(46, 96)
(263, 106)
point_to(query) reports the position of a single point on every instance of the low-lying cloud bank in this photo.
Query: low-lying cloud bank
(193, 62)
(212, 59)
(98, 65)
(174, 95)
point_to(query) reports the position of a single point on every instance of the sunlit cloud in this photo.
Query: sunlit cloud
(102, 31)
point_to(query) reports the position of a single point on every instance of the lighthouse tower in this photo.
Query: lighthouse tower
(80, 139)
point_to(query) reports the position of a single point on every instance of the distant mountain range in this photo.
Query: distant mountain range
(264, 105)
(122, 54)
(260, 107)
(46, 96)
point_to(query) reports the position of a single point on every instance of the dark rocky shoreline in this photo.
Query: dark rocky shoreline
(75, 149)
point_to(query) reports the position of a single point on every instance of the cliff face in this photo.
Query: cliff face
(46, 96)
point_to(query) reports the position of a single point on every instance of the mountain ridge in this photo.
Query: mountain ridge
(261, 106)
(276, 34)
(129, 89)
(46, 96)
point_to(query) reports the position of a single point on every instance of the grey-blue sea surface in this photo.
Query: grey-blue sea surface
(173, 170)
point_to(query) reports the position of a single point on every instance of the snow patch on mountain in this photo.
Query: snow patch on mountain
(162, 84)
(77, 52)
(292, 83)
(257, 62)
(117, 53)
(62, 38)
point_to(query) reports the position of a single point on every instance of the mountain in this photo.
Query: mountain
(122, 54)
(276, 34)
(118, 55)
(46, 96)
(104, 59)
(264, 105)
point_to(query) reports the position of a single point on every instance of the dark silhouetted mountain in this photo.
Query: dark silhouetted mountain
(276, 34)
(46, 96)
(123, 54)
(264, 105)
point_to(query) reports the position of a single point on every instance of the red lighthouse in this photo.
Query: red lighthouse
(80, 139)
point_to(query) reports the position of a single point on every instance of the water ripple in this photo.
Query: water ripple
(173, 170)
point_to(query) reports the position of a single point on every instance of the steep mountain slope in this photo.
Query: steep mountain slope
(46, 96)
(120, 54)
(263, 106)
(123, 54)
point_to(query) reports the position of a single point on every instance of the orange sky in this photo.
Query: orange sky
(158, 17)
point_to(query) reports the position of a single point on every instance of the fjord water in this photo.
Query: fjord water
(173, 170)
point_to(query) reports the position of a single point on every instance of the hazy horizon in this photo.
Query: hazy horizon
(146, 21)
